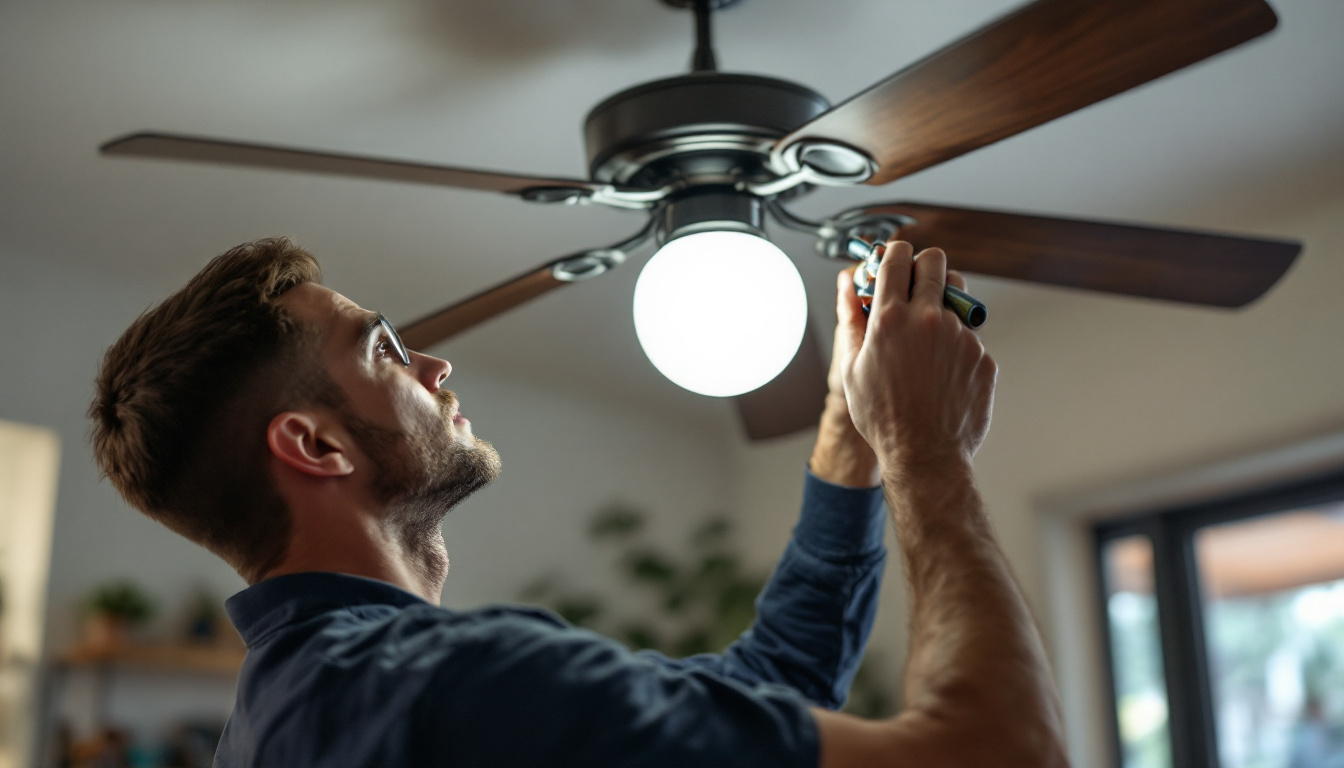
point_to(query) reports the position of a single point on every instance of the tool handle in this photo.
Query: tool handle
(969, 309)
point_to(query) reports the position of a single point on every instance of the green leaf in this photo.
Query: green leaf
(651, 567)
(641, 636)
(717, 568)
(712, 531)
(616, 521)
(539, 589)
(677, 600)
(693, 642)
(737, 603)
(579, 611)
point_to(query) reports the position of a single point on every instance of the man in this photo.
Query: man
(286, 429)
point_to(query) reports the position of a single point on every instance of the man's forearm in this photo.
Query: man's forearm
(841, 455)
(976, 660)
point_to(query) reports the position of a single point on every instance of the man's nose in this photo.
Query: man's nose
(430, 370)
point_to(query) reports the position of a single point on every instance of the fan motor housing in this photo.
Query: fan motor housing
(698, 126)
(709, 208)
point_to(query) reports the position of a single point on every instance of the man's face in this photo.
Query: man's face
(420, 455)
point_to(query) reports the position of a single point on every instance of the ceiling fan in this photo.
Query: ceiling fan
(710, 154)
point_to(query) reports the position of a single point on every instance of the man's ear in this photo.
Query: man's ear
(306, 443)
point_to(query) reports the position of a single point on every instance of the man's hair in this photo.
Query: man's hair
(184, 397)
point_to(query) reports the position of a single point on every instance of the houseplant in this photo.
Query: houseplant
(110, 612)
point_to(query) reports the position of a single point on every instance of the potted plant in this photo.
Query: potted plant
(111, 610)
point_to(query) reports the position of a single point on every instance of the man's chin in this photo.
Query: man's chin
(487, 457)
(475, 463)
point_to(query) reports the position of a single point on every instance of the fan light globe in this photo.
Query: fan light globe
(720, 313)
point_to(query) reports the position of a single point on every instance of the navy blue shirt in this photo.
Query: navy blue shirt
(348, 671)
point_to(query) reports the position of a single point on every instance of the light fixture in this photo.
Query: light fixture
(719, 309)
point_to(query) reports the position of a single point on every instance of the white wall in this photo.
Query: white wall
(1099, 392)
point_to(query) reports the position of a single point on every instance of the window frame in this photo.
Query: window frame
(1171, 530)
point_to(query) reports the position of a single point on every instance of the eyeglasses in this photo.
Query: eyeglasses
(397, 343)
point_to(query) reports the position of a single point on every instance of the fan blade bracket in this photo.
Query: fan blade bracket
(815, 161)
(628, 198)
(838, 163)
(834, 238)
(588, 265)
(602, 194)
(566, 195)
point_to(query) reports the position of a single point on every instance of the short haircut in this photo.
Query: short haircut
(184, 397)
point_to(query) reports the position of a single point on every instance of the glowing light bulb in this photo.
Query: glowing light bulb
(720, 313)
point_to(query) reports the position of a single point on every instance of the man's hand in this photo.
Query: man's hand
(919, 384)
(841, 455)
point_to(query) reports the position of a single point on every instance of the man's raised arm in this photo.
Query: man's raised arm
(920, 389)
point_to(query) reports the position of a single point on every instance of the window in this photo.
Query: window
(1225, 630)
(1136, 653)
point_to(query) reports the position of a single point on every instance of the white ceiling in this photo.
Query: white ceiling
(506, 83)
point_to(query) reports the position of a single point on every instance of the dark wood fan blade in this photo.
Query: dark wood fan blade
(472, 311)
(793, 400)
(1177, 265)
(170, 147)
(1043, 61)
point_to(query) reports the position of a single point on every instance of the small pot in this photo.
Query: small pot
(105, 632)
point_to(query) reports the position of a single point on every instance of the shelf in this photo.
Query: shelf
(212, 659)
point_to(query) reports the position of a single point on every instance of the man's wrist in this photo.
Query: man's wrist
(932, 492)
(915, 468)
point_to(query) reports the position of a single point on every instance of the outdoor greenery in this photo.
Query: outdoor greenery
(1140, 689)
(1277, 671)
(700, 599)
(1277, 663)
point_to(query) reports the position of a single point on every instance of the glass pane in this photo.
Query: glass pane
(1273, 590)
(1136, 650)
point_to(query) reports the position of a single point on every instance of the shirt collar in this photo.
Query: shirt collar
(269, 605)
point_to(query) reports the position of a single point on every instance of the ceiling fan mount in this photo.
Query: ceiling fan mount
(710, 152)
(709, 128)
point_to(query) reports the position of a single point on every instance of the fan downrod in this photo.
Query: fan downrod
(714, 5)
(703, 59)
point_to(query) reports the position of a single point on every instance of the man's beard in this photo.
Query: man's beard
(423, 473)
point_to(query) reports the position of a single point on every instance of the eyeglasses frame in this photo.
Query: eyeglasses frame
(400, 346)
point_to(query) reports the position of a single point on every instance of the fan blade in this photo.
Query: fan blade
(458, 317)
(1167, 264)
(1043, 61)
(793, 400)
(476, 309)
(170, 147)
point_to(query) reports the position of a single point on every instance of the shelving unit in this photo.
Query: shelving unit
(206, 659)
(221, 659)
